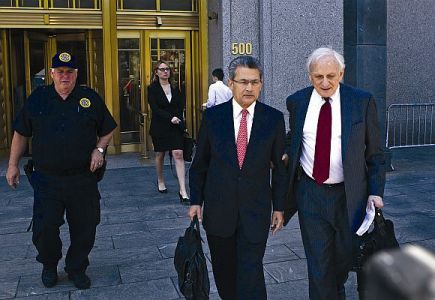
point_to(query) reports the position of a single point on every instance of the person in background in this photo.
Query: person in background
(336, 169)
(230, 177)
(167, 126)
(71, 128)
(218, 92)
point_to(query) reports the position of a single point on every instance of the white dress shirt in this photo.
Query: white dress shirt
(218, 93)
(237, 116)
(309, 137)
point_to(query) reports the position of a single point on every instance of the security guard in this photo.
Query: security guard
(70, 128)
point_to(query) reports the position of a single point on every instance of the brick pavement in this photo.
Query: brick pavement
(133, 254)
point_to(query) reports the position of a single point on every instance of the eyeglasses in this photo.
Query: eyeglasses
(244, 82)
(164, 69)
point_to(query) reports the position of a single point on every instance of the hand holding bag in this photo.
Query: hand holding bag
(382, 237)
(191, 266)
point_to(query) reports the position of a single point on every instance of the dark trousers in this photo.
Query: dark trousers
(238, 266)
(76, 195)
(326, 236)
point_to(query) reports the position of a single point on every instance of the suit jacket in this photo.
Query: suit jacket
(229, 194)
(362, 151)
(163, 110)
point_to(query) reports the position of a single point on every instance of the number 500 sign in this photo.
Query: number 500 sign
(241, 48)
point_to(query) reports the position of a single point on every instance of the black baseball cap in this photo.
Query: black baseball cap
(63, 59)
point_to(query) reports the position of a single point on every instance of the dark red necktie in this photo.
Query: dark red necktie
(242, 138)
(323, 143)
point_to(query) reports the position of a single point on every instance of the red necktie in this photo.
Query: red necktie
(242, 138)
(323, 143)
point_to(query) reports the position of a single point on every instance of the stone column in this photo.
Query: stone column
(365, 51)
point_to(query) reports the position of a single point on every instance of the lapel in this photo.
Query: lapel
(346, 118)
(301, 109)
(227, 130)
(258, 123)
(163, 95)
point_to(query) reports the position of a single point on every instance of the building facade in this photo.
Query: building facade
(388, 48)
(116, 44)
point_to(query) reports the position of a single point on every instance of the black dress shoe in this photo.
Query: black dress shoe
(164, 191)
(49, 276)
(80, 280)
(184, 201)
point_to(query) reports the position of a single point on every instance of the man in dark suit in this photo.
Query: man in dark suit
(230, 177)
(336, 169)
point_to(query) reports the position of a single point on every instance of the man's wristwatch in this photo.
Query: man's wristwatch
(101, 150)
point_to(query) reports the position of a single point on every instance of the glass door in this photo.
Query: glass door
(39, 49)
(129, 74)
(36, 60)
(174, 48)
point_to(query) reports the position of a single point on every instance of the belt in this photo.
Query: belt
(68, 172)
(331, 185)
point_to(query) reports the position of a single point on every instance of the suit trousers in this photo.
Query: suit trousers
(238, 266)
(76, 195)
(326, 236)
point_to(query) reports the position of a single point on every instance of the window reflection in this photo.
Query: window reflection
(129, 90)
(142, 5)
(173, 52)
(29, 3)
(6, 3)
(182, 5)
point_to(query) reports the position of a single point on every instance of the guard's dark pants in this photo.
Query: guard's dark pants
(53, 195)
(326, 236)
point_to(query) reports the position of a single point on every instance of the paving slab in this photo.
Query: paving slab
(151, 290)
(136, 240)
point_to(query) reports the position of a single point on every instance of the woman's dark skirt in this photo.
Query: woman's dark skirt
(168, 143)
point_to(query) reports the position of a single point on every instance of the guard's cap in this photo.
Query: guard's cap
(63, 59)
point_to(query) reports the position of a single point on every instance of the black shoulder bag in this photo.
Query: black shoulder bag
(382, 237)
(191, 265)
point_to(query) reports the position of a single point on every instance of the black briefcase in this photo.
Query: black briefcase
(382, 237)
(191, 264)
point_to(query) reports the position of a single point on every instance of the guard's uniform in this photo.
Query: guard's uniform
(64, 135)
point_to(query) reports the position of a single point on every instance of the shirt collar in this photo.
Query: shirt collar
(334, 98)
(74, 93)
(237, 109)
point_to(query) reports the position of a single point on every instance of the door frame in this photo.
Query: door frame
(145, 37)
(147, 67)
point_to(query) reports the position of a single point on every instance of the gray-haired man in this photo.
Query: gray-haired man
(230, 177)
(336, 168)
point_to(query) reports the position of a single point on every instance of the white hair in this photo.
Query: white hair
(325, 52)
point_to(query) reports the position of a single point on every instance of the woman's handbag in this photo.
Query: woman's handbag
(382, 237)
(188, 147)
(191, 265)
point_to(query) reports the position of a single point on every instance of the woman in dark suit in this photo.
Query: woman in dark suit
(167, 126)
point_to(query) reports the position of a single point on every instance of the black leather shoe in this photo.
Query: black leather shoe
(184, 201)
(49, 276)
(80, 280)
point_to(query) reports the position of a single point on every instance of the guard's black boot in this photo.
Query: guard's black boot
(80, 280)
(49, 275)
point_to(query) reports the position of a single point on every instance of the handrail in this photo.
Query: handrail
(143, 134)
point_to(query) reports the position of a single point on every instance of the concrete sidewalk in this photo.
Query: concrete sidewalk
(134, 249)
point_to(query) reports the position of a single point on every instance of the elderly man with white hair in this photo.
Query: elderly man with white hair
(336, 168)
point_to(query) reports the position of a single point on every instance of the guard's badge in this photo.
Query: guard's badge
(85, 102)
(65, 57)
